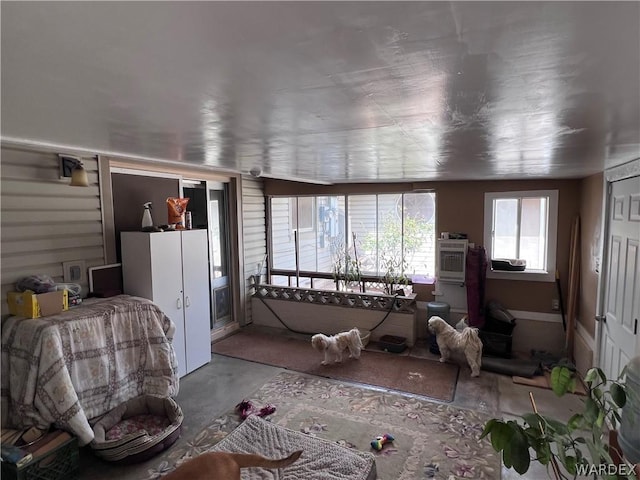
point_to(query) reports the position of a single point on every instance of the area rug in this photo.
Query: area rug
(387, 370)
(431, 440)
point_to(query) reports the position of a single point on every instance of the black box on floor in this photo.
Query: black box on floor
(394, 344)
(497, 337)
(60, 463)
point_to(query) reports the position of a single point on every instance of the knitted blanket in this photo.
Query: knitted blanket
(68, 368)
(320, 459)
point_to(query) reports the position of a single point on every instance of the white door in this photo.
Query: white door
(195, 274)
(166, 266)
(622, 284)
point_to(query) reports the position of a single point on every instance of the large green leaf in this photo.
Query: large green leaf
(488, 427)
(558, 427)
(591, 375)
(562, 456)
(561, 380)
(575, 422)
(534, 436)
(618, 395)
(533, 419)
(601, 374)
(597, 393)
(570, 464)
(501, 434)
(600, 419)
(591, 410)
(543, 450)
(516, 452)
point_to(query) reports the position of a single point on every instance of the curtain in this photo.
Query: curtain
(475, 280)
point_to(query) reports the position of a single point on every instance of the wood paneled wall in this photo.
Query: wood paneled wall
(46, 222)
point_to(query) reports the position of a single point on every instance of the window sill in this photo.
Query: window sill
(527, 276)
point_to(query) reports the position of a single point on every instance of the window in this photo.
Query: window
(522, 225)
(379, 230)
(304, 219)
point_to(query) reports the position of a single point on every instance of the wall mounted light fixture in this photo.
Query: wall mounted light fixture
(72, 167)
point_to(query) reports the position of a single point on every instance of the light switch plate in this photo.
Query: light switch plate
(75, 271)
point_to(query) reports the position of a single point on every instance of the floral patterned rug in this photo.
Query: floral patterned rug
(431, 440)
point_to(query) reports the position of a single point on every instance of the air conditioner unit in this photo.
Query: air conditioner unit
(452, 259)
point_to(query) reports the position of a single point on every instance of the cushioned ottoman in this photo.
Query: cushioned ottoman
(138, 429)
(321, 459)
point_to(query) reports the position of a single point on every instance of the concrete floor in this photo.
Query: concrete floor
(218, 386)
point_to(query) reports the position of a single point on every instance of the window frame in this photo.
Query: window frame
(311, 210)
(314, 274)
(549, 273)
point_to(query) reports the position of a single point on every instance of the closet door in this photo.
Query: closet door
(195, 274)
(152, 268)
(166, 266)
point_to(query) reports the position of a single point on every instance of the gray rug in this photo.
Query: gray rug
(432, 440)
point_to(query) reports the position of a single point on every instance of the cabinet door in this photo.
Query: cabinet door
(195, 274)
(166, 266)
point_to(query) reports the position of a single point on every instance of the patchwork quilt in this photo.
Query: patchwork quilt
(72, 367)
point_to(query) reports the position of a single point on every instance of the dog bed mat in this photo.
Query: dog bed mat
(138, 429)
(321, 459)
(507, 366)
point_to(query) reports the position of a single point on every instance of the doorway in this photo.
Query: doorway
(209, 207)
(220, 254)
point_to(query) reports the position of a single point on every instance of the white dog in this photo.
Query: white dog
(333, 345)
(449, 339)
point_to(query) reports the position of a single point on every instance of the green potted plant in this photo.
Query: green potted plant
(346, 269)
(574, 448)
(397, 244)
(394, 277)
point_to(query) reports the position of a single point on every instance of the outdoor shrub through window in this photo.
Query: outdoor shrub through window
(367, 243)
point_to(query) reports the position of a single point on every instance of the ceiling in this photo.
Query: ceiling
(330, 91)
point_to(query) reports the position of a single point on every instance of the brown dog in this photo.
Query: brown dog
(225, 466)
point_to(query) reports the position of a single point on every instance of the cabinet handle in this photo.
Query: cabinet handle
(187, 302)
(179, 303)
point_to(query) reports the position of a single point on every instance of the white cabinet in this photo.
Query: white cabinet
(172, 270)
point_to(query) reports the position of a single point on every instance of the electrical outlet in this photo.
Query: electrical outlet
(74, 271)
(555, 304)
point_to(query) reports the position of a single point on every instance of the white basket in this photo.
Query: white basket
(365, 335)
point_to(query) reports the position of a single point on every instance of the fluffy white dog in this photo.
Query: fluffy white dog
(449, 339)
(333, 345)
